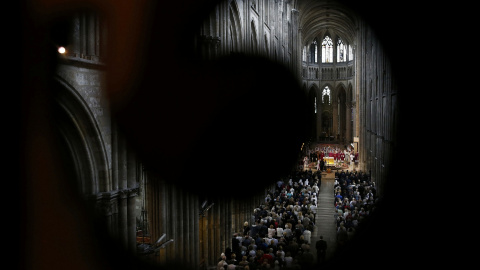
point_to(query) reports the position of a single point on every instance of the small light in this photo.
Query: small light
(61, 50)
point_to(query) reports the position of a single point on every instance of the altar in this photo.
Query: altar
(329, 161)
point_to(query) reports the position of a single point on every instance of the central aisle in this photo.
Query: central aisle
(324, 220)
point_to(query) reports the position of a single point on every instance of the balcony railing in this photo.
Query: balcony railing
(328, 71)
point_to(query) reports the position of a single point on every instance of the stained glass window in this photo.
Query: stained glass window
(326, 95)
(327, 50)
(341, 51)
(350, 52)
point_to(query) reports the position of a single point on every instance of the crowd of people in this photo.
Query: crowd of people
(355, 199)
(278, 236)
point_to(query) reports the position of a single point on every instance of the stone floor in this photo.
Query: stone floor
(325, 224)
(324, 219)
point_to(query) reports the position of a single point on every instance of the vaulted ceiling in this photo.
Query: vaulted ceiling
(320, 16)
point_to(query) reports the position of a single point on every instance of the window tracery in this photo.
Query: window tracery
(327, 50)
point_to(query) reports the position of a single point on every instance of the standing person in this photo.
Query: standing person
(307, 234)
(246, 228)
(279, 232)
(221, 264)
(271, 231)
(321, 246)
(305, 162)
(243, 262)
(288, 260)
(322, 165)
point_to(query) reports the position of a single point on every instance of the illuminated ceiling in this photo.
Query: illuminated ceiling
(320, 16)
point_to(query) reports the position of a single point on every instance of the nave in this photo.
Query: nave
(325, 225)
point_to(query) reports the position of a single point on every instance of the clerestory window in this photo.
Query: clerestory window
(350, 52)
(327, 50)
(341, 51)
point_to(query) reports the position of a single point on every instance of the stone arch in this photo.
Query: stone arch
(350, 97)
(341, 97)
(332, 89)
(79, 132)
(253, 39)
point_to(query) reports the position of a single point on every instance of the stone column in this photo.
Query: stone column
(195, 254)
(122, 199)
(131, 220)
(132, 187)
(122, 218)
(211, 235)
(90, 35)
(179, 232)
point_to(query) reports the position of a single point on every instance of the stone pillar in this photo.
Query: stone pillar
(114, 157)
(131, 220)
(179, 232)
(90, 35)
(122, 218)
(211, 235)
(296, 46)
(334, 96)
(195, 254)
(348, 120)
(131, 213)
(222, 220)
(171, 221)
(187, 237)
(122, 199)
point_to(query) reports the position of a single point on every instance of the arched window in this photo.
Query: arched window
(341, 51)
(327, 50)
(315, 104)
(350, 52)
(326, 95)
(304, 54)
(313, 51)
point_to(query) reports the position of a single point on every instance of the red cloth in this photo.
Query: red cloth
(267, 257)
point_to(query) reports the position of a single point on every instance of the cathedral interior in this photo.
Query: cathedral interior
(168, 120)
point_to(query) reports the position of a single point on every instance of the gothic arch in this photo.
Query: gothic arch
(341, 113)
(340, 86)
(350, 93)
(81, 136)
(332, 89)
(253, 39)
